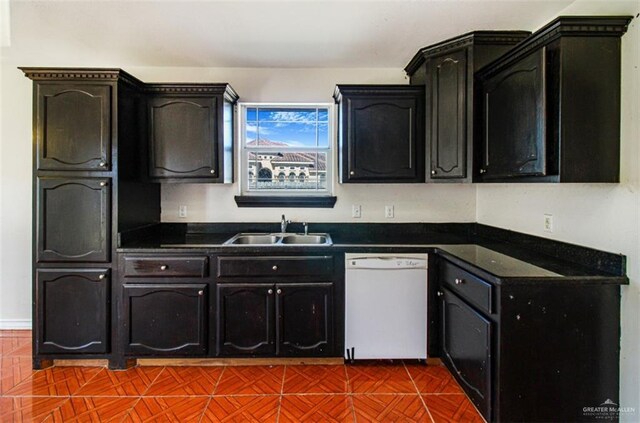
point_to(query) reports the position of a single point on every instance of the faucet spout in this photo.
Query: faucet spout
(283, 224)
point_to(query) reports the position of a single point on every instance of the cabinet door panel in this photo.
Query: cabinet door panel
(515, 121)
(73, 311)
(166, 319)
(73, 127)
(74, 220)
(305, 319)
(183, 137)
(246, 319)
(448, 116)
(466, 347)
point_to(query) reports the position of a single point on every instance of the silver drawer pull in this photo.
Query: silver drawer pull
(279, 291)
(103, 164)
(440, 293)
(275, 267)
(164, 267)
(352, 173)
(103, 184)
(459, 281)
(270, 291)
(102, 276)
(212, 171)
(201, 292)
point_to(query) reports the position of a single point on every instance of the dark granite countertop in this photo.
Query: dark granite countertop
(495, 254)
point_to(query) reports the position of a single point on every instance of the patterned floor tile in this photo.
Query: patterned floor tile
(92, 409)
(433, 379)
(167, 409)
(130, 382)
(10, 344)
(28, 409)
(24, 350)
(13, 370)
(451, 408)
(250, 380)
(377, 378)
(315, 380)
(316, 408)
(54, 381)
(15, 333)
(390, 408)
(241, 409)
(181, 381)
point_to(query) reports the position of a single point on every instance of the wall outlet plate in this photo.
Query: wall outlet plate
(356, 211)
(182, 211)
(548, 223)
(388, 212)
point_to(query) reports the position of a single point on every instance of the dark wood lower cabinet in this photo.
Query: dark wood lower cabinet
(305, 319)
(166, 319)
(466, 348)
(288, 319)
(72, 311)
(246, 319)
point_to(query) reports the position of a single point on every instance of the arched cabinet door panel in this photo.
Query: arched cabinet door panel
(166, 319)
(183, 137)
(74, 219)
(73, 127)
(73, 311)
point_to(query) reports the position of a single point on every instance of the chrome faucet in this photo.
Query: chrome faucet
(306, 228)
(283, 224)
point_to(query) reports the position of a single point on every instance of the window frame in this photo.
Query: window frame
(286, 194)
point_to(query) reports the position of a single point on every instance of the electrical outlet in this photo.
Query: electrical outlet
(182, 211)
(548, 223)
(356, 211)
(388, 212)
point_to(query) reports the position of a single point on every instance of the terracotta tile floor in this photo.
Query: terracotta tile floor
(365, 392)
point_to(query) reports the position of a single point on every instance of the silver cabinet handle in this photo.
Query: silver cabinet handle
(433, 172)
(483, 170)
(212, 171)
(102, 276)
(103, 164)
(270, 291)
(164, 267)
(201, 292)
(103, 184)
(275, 267)
(459, 281)
(352, 173)
(440, 293)
(279, 291)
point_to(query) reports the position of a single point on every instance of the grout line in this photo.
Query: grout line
(154, 380)
(218, 381)
(418, 391)
(204, 410)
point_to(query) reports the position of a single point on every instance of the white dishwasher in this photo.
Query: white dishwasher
(386, 306)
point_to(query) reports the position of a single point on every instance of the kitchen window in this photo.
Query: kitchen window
(286, 154)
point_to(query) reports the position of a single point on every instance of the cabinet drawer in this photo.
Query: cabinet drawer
(274, 266)
(468, 286)
(163, 267)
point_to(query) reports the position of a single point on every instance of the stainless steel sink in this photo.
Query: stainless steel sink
(278, 239)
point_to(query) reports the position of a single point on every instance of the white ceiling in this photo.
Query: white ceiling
(266, 33)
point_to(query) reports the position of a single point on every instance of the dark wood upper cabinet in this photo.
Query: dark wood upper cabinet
(515, 121)
(73, 126)
(74, 219)
(305, 319)
(191, 132)
(73, 309)
(446, 69)
(549, 109)
(166, 319)
(381, 133)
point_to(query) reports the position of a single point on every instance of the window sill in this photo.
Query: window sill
(285, 201)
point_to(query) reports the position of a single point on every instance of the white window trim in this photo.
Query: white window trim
(243, 152)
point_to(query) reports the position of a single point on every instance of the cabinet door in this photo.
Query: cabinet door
(166, 319)
(72, 311)
(73, 127)
(74, 220)
(305, 319)
(246, 319)
(448, 117)
(184, 139)
(384, 139)
(514, 120)
(466, 349)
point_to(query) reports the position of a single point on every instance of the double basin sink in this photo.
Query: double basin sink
(278, 239)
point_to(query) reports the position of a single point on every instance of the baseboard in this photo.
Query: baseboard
(15, 324)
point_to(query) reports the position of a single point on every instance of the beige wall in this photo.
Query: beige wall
(602, 216)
